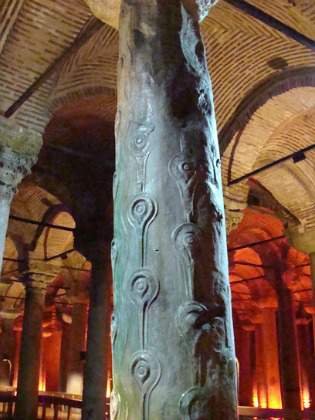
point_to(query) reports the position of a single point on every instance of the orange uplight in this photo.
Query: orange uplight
(42, 385)
(274, 401)
(255, 398)
(306, 398)
(108, 388)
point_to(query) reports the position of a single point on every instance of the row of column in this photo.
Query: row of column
(276, 358)
(19, 149)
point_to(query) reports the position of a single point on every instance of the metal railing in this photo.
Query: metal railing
(65, 406)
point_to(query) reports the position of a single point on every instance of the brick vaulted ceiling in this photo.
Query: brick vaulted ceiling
(263, 83)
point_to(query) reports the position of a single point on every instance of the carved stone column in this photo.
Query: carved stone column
(173, 346)
(29, 365)
(19, 149)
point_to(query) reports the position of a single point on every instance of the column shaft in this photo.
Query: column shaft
(271, 357)
(246, 377)
(76, 346)
(95, 371)
(173, 345)
(289, 365)
(261, 380)
(27, 387)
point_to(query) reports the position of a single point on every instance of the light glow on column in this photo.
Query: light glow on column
(75, 384)
(306, 398)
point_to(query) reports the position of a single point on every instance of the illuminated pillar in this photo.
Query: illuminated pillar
(19, 149)
(75, 349)
(173, 345)
(260, 374)
(246, 365)
(289, 366)
(307, 358)
(271, 357)
(29, 366)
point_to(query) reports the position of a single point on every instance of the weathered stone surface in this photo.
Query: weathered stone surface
(199, 8)
(19, 149)
(172, 332)
(108, 10)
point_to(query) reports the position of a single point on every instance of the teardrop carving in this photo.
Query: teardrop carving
(144, 289)
(142, 212)
(187, 238)
(146, 371)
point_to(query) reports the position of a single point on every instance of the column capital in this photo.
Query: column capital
(39, 275)
(302, 241)
(19, 148)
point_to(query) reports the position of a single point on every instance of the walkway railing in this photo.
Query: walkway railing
(274, 413)
(59, 406)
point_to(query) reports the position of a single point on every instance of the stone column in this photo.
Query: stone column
(246, 362)
(29, 366)
(76, 346)
(271, 357)
(307, 358)
(19, 149)
(289, 364)
(173, 345)
(305, 242)
(95, 371)
(260, 372)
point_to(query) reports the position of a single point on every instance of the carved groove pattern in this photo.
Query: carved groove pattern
(140, 148)
(195, 404)
(144, 288)
(187, 238)
(146, 371)
(142, 212)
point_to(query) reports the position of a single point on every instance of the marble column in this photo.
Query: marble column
(173, 345)
(95, 371)
(29, 366)
(19, 149)
(288, 350)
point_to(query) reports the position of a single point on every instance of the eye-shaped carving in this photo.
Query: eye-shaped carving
(194, 316)
(142, 211)
(139, 137)
(187, 238)
(146, 371)
(144, 288)
(195, 404)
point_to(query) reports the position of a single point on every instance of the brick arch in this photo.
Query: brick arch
(259, 95)
(294, 90)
